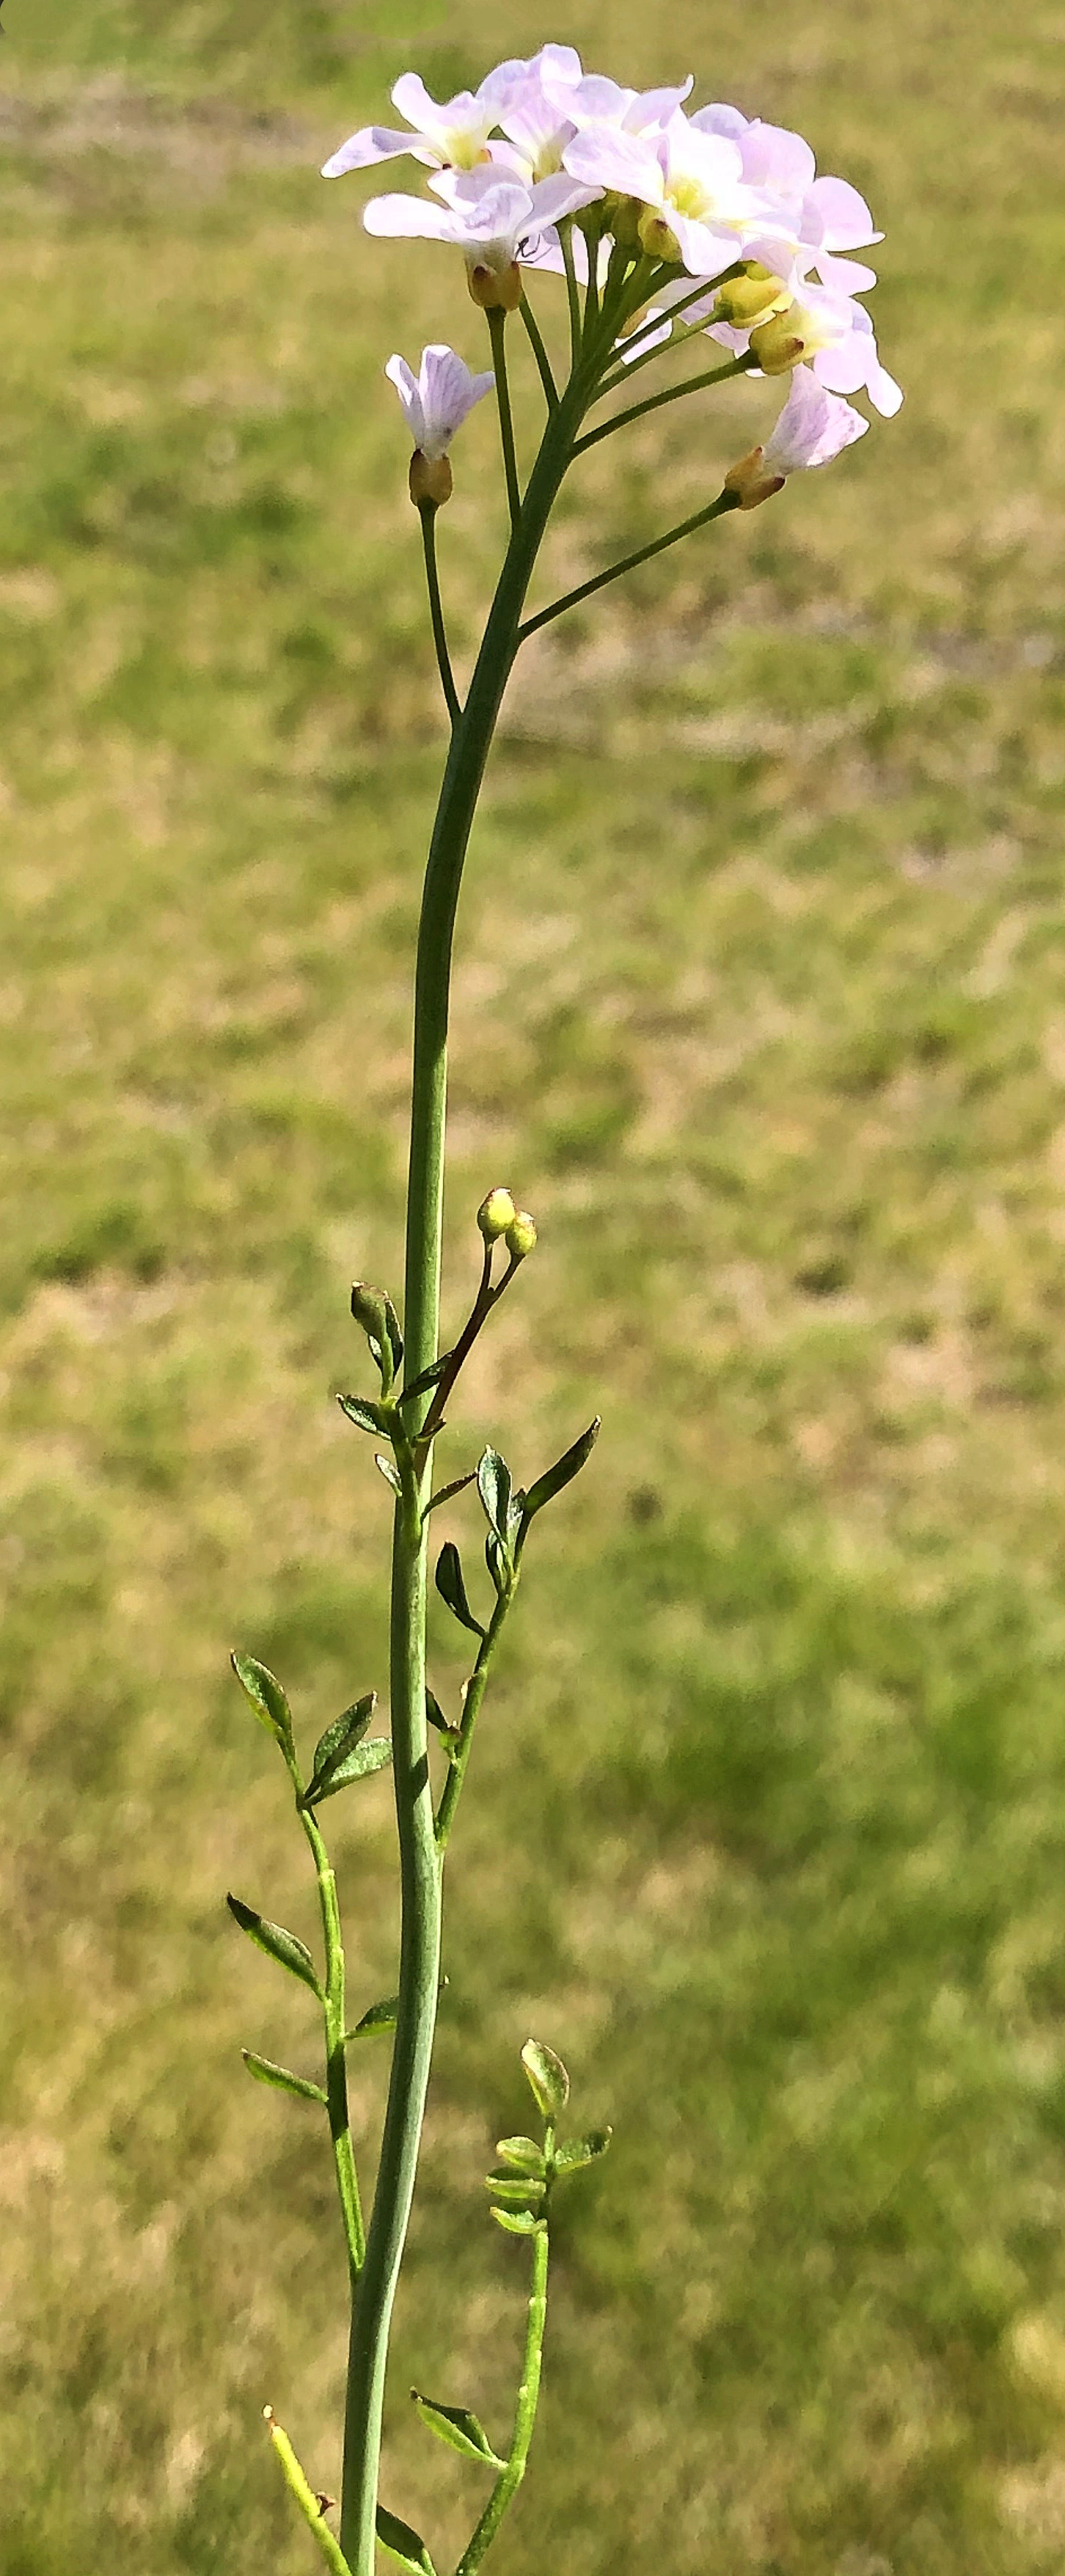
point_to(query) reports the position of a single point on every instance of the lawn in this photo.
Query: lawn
(760, 1006)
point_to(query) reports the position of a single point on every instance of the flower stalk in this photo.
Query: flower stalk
(637, 199)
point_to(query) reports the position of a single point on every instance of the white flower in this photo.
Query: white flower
(451, 136)
(594, 102)
(813, 427)
(699, 206)
(818, 217)
(437, 400)
(496, 220)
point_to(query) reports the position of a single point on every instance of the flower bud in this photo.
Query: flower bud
(750, 482)
(777, 344)
(620, 216)
(495, 1214)
(431, 480)
(656, 237)
(521, 1235)
(496, 287)
(751, 300)
(369, 1309)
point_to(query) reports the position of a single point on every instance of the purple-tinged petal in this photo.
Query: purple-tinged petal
(848, 224)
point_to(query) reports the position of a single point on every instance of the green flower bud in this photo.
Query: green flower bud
(495, 286)
(752, 299)
(657, 238)
(779, 344)
(495, 1214)
(521, 1235)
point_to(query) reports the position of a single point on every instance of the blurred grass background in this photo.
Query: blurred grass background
(761, 1007)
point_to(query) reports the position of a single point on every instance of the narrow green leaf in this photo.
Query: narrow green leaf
(447, 1493)
(522, 2153)
(403, 2543)
(388, 1469)
(364, 1415)
(339, 1740)
(395, 1337)
(495, 1557)
(547, 2077)
(266, 2072)
(379, 2017)
(517, 2222)
(452, 1589)
(359, 1765)
(516, 2191)
(277, 1943)
(579, 2152)
(493, 1486)
(429, 1377)
(556, 1478)
(436, 1717)
(267, 1698)
(456, 2426)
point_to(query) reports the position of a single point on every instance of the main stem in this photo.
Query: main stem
(420, 1869)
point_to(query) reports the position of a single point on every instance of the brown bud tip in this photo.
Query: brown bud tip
(749, 483)
(496, 290)
(430, 480)
(521, 1236)
(495, 1214)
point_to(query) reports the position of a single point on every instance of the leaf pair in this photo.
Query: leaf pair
(341, 1756)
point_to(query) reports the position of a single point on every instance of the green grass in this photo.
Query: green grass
(760, 1007)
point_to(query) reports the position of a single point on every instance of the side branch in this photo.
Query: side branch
(427, 515)
(700, 519)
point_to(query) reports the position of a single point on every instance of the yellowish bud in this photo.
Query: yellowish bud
(430, 479)
(657, 239)
(495, 1214)
(750, 300)
(750, 483)
(620, 216)
(496, 290)
(521, 1235)
(778, 345)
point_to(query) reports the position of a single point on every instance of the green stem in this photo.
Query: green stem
(630, 365)
(573, 295)
(700, 519)
(539, 351)
(419, 1864)
(427, 513)
(475, 1691)
(497, 325)
(299, 2486)
(336, 2080)
(510, 2477)
(655, 402)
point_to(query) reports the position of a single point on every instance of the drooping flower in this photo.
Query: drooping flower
(498, 223)
(451, 136)
(698, 206)
(813, 427)
(830, 333)
(439, 398)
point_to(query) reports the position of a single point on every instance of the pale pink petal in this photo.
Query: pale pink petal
(409, 218)
(848, 224)
(844, 276)
(774, 157)
(604, 157)
(372, 143)
(721, 120)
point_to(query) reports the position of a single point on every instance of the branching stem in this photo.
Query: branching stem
(497, 325)
(427, 514)
(655, 402)
(539, 351)
(510, 2477)
(699, 519)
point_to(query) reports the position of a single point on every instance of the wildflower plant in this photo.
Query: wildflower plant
(654, 224)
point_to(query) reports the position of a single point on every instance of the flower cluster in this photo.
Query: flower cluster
(723, 220)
